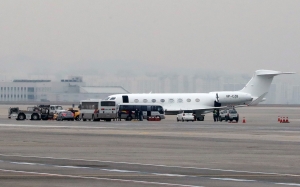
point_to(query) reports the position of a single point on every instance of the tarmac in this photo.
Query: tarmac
(261, 152)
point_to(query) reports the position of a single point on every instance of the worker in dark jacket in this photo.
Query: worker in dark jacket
(119, 115)
(141, 115)
(215, 114)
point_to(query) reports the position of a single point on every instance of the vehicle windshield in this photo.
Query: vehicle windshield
(58, 108)
(232, 112)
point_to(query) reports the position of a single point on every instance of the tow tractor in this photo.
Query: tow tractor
(13, 112)
(35, 113)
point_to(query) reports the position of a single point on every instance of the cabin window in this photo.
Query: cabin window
(136, 100)
(179, 100)
(112, 98)
(171, 100)
(145, 100)
(153, 100)
(188, 100)
(197, 100)
(162, 100)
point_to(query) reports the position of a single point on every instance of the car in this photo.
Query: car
(65, 115)
(76, 113)
(233, 115)
(185, 115)
(223, 115)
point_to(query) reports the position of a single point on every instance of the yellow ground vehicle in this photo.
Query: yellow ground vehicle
(76, 113)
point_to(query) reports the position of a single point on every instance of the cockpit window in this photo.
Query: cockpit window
(112, 98)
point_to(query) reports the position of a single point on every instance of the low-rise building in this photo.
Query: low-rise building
(72, 89)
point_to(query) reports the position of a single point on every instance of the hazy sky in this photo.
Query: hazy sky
(150, 35)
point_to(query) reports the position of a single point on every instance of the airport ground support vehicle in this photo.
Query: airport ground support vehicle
(96, 110)
(185, 115)
(223, 115)
(128, 110)
(56, 108)
(13, 112)
(233, 115)
(35, 113)
(76, 113)
(65, 115)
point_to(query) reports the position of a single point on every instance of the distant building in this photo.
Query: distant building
(71, 89)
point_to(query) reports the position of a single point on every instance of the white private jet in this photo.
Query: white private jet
(201, 103)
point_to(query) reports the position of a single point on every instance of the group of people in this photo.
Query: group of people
(138, 115)
(216, 115)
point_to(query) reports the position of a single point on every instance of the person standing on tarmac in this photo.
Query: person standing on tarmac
(141, 115)
(119, 115)
(137, 114)
(215, 115)
(218, 115)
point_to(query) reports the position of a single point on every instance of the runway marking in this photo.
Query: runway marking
(231, 179)
(93, 168)
(55, 126)
(158, 165)
(146, 174)
(98, 178)
(289, 184)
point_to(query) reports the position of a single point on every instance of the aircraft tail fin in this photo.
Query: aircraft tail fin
(260, 83)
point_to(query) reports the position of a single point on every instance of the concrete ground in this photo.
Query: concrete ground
(260, 152)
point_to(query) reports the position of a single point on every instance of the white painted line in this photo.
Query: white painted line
(23, 163)
(289, 184)
(172, 175)
(54, 126)
(155, 165)
(98, 178)
(231, 179)
(109, 170)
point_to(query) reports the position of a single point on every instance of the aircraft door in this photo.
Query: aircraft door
(217, 103)
(125, 98)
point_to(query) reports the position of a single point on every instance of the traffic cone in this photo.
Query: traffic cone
(287, 120)
(244, 120)
(283, 121)
(278, 118)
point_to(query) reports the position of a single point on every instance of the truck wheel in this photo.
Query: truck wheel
(35, 117)
(182, 120)
(128, 118)
(177, 119)
(21, 117)
(77, 118)
(83, 119)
